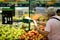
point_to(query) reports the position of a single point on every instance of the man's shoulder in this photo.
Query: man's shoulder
(51, 20)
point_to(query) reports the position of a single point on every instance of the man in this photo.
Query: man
(52, 29)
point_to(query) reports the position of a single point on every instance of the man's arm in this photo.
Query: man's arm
(47, 29)
(45, 33)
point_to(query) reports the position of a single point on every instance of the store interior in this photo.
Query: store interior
(24, 17)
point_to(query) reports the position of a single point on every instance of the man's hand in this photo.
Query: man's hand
(45, 33)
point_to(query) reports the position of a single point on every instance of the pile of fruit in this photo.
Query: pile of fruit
(35, 17)
(10, 32)
(25, 26)
(31, 35)
(41, 27)
(15, 18)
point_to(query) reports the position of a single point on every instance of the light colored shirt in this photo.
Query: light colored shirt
(53, 27)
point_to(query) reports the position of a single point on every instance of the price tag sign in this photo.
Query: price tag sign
(7, 17)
